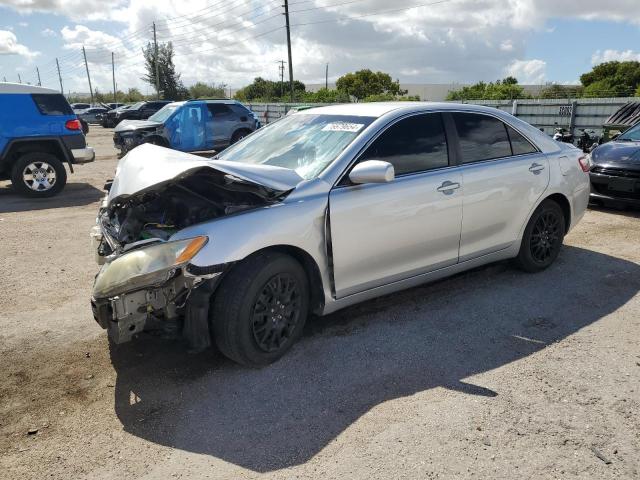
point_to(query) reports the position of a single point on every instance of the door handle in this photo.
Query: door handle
(536, 168)
(448, 187)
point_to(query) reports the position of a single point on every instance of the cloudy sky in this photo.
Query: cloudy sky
(232, 41)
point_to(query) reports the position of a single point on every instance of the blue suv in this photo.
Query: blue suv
(39, 133)
(189, 126)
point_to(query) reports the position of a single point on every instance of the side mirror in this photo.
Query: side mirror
(372, 171)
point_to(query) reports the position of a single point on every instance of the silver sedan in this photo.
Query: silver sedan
(323, 209)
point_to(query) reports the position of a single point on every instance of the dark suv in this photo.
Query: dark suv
(138, 111)
(189, 126)
(39, 133)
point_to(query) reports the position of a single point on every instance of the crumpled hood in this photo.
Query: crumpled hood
(129, 125)
(148, 167)
(618, 154)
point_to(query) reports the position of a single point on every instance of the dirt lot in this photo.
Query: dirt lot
(491, 374)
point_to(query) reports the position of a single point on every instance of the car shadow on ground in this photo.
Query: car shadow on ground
(73, 195)
(436, 335)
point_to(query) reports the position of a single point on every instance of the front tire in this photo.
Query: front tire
(260, 309)
(38, 175)
(542, 238)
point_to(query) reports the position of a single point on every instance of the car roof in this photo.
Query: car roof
(378, 109)
(23, 88)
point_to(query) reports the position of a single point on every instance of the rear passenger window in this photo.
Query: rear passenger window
(414, 144)
(218, 109)
(481, 137)
(519, 144)
(52, 104)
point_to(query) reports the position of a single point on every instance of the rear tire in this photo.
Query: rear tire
(260, 309)
(542, 238)
(239, 135)
(38, 175)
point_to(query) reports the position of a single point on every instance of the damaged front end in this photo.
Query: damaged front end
(147, 280)
(128, 134)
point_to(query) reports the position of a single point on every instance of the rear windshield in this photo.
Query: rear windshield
(52, 104)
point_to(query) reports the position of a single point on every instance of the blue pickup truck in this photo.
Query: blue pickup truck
(39, 133)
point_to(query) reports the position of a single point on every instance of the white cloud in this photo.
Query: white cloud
(611, 55)
(47, 32)
(528, 72)
(232, 42)
(506, 46)
(9, 45)
(23, 24)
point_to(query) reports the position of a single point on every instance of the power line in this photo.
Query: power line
(324, 7)
(213, 13)
(182, 38)
(355, 17)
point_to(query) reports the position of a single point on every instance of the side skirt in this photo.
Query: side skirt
(334, 305)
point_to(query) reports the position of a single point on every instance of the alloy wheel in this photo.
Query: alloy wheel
(545, 236)
(276, 312)
(39, 176)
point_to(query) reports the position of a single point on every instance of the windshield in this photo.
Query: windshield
(164, 113)
(136, 106)
(306, 143)
(631, 135)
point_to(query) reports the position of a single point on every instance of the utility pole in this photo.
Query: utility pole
(19, 79)
(113, 75)
(286, 16)
(84, 53)
(326, 77)
(5, 79)
(59, 77)
(281, 70)
(39, 81)
(155, 47)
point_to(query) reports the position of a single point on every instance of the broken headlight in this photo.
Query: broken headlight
(145, 267)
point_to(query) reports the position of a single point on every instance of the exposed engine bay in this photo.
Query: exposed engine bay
(159, 213)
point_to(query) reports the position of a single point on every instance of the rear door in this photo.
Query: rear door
(382, 233)
(222, 124)
(503, 174)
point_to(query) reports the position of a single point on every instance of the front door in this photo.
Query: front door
(504, 175)
(382, 233)
(190, 128)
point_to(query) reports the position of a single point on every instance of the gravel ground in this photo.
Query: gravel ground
(492, 373)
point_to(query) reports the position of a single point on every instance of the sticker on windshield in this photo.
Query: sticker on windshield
(342, 127)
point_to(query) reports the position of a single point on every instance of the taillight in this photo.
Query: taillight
(585, 163)
(73, 125)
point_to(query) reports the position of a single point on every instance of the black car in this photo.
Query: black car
(615, 171)
(138, 111)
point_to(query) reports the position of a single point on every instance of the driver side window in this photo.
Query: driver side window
(412, 145)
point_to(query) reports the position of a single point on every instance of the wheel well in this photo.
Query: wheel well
(163, 142)
(19, 148)
(316, 300)
(566, 208)
(241, 129)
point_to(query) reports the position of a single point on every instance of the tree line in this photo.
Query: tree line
(609, 79)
